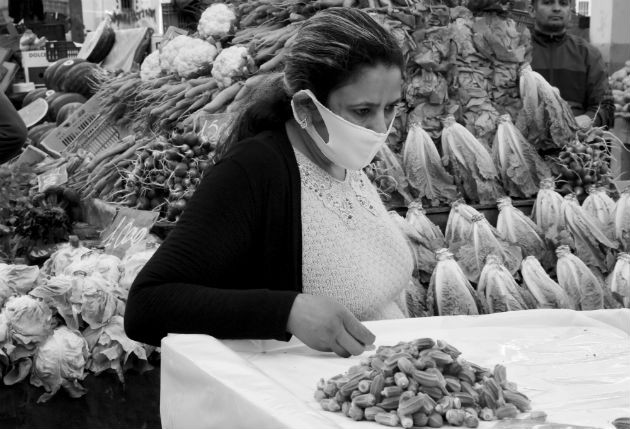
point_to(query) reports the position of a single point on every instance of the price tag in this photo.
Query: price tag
(215, 127)
(129, 227)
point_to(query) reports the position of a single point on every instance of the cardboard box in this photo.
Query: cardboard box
(35, 64)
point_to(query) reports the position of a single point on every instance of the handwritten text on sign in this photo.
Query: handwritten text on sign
(128, 228)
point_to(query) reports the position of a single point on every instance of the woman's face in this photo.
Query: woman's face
(369, 99)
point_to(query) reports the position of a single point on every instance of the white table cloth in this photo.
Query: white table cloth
(575, 366)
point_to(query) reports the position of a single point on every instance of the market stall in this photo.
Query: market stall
(574, 366)
(507, 205)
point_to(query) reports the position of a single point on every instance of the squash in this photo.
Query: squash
(58, 76)
(80, 79)
(34, 112)
(98, 43)
(61, 100)
(34, 95)
(66, 110)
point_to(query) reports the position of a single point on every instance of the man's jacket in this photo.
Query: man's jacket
(577, 69)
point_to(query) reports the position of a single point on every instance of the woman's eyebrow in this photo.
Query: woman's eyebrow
(369, 103)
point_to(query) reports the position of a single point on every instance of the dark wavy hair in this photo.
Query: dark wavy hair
(328, 51)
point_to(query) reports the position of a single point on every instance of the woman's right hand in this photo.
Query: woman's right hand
(325, 325)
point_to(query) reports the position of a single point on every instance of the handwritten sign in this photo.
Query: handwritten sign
(128, 228)
(51, 178)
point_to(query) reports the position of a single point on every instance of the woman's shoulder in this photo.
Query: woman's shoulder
(267, 149)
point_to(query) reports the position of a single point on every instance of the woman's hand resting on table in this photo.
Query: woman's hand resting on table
(325, 325)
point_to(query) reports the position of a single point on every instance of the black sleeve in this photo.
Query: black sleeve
(191, 284)
(12, 130)
(599, 104)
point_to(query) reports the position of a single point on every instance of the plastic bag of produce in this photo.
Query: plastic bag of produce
(424, 170)
(416, 300)
(389, 174)
(431, 234)
(109, 267)
(485, 240)
(601, 209)
(590, 243)
(60, 362)
(58, 261)
(110, 348)
(57, 294)
(470, 162)
(547, 211)
(582, 286)
(546, 119)
(621, 219)
(497, 289)
(100, 301)
(459, 224)
(422, 252)
(520, 167)
(547, 293)
(84, 264)
(516, 228)
(450, 292)
(20, 278)
(619, 280)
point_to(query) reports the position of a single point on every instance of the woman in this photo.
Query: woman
(13, 132)
(286, 236)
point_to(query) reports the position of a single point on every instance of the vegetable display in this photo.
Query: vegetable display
(423, 383)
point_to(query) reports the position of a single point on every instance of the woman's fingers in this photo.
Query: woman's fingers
(350, 344)
(358, 330)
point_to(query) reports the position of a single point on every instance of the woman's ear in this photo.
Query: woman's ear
(307, 114)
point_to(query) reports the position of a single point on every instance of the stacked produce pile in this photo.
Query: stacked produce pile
(64, 321)
(567, 256)
(620, 84)
(423, 383)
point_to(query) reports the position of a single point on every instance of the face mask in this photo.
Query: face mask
(349, 145)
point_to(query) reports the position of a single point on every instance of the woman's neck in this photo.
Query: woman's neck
(301, 141)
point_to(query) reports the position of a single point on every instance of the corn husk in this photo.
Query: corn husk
(459, 224)
(547, 211)
(497, 289)
(619, 280)
(621, 219)
(546, 292)
(473, 169)
(518, 229)
(591, 244)
(583, 288)
(485, 240)
(449, 291)
(520, 167)
(601, 208)
(423, 167)
(431, 234)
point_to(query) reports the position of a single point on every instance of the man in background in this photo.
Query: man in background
(12, 130)
(571, 64)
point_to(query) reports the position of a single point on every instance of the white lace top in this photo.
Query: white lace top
(352, 250)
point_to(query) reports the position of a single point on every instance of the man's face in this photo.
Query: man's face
(552, 15)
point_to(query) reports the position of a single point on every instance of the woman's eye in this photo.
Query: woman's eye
(362, 112)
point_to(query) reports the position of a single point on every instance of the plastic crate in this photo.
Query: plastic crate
(84, 129)
(61, 49)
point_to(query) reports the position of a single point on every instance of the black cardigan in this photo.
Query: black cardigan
(12, 130)
(232, 266)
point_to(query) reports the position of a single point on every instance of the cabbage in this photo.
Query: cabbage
(57, 293)
(99, 301)
(109, 267)
(110, 348)
(5, 291)
(84, 264)
(132, 263)
(64, 256)
(60, 362)
(29, 320)
(20, 278)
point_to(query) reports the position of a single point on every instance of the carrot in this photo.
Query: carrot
(104, 154)
(200, 80)
(176, 89)
(272, 63)
(127, 154)
(200, 102)
(223, 97)
(198, 90)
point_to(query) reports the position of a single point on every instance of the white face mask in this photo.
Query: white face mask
(349, 145)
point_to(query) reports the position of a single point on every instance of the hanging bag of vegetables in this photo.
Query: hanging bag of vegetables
(601, 209)
(547, 211)
(497, 289)
(581, 285)
(459, 224)
(619, 280)
(621, 219)
(548, 293)
(450, 292)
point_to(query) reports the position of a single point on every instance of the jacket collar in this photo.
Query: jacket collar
(547, 39)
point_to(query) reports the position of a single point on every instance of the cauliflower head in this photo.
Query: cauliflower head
(170, 50)
(151, 68)
(216, 21)
(192, 57)
(230, 64)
